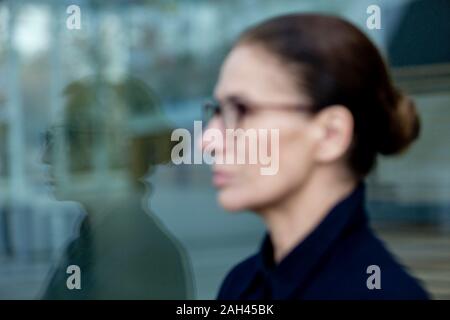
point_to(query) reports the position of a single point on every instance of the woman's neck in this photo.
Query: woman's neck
(291, 220)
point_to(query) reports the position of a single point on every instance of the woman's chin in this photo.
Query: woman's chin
(232, 202)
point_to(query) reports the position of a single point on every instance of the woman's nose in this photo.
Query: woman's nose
(213, 136)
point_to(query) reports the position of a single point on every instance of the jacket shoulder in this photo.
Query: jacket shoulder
(364, 268)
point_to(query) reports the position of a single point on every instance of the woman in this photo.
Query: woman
(321, 83)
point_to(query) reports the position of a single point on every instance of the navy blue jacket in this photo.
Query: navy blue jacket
(330, 263)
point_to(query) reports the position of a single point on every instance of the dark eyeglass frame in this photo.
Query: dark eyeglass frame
(213, 108)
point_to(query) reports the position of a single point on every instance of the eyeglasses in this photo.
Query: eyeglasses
(233, 112)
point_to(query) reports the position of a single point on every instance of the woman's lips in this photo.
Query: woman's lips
(220, 178)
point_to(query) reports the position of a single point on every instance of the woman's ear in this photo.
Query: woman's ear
(334, 126)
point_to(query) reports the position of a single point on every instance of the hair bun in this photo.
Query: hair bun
(403, 127)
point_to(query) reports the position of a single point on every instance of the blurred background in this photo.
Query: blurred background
(84, 113)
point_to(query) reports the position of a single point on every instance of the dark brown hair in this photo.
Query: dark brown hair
(335, 63)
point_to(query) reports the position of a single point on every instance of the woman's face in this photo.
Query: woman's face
(255, 78)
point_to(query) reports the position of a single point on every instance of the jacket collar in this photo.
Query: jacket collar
(292, 272)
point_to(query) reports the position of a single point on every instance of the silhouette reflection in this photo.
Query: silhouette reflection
(112, 135)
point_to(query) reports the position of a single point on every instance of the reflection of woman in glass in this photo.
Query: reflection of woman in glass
(112, 133)
(323, 84)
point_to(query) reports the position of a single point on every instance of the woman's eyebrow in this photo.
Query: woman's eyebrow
(235, 98)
